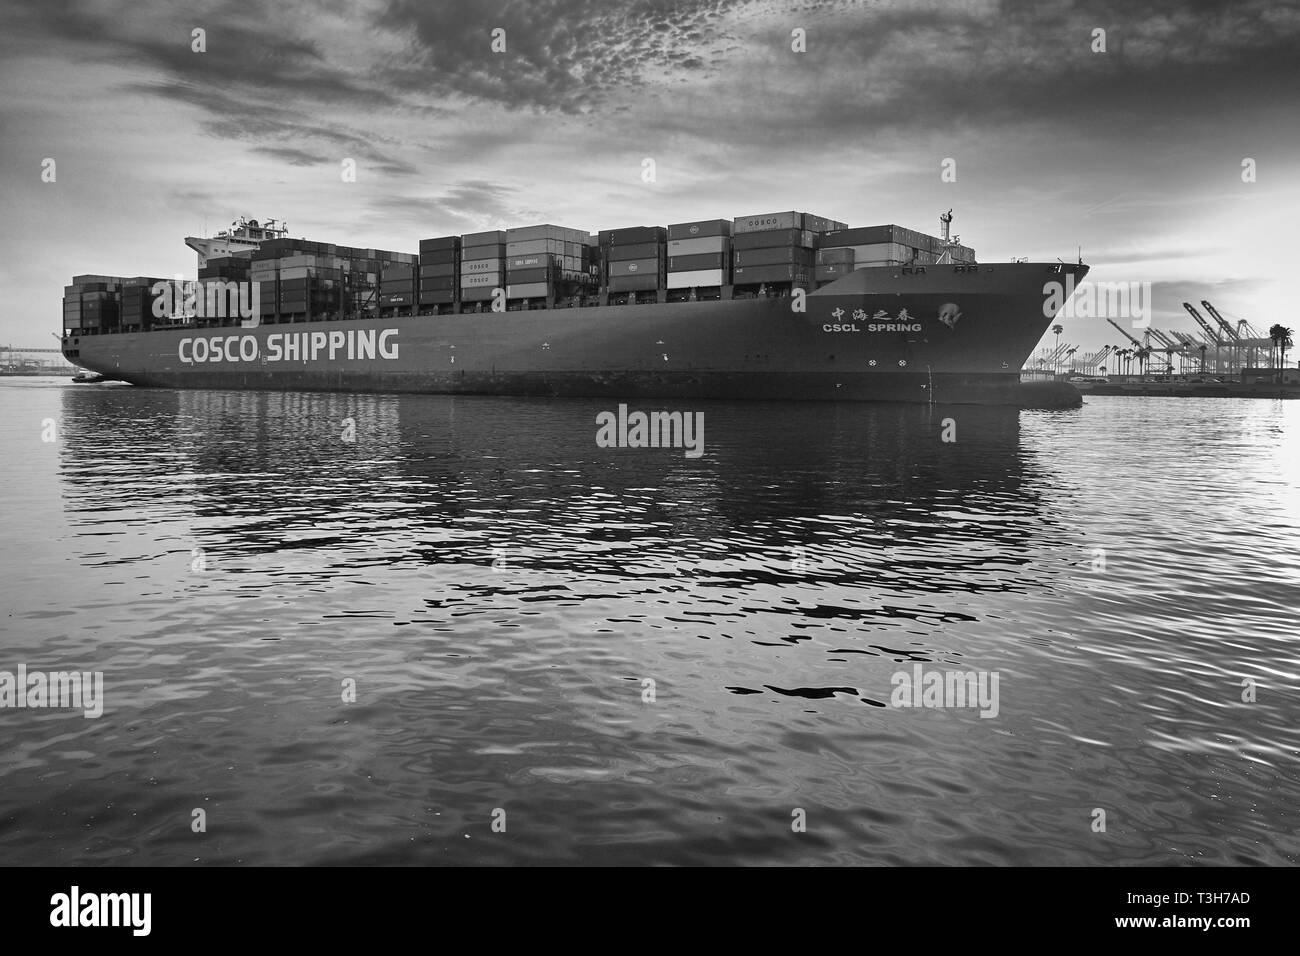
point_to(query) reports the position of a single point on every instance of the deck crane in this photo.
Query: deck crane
(1211, 336)
(1234, 340)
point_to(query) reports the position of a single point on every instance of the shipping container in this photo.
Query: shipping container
(833, 270)
(440, 257)
(482, 281)
(775, 238)
(870, 235)
(397, 285)
(439, 270)
(528, 290)
(881, 252)
(479, 294)
(773, 257)
(443, 244)
(495, 237)
(767, 222)
(436, 298)
(632, 235)
(828, 256)
(441, 284)
(637, 267)
(749, 275)
(637, 250)
(545, 231)
(719, 228)
(527, 276)
(472, 266)
(820, 223)
(707, 260)
(555, 247)
(697, 278)
(399, 298)
(694, 247)
(634, 283)
(496, 250)
(534, 261)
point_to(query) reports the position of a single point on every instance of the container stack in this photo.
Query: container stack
(310, 288)
(841, 251)
(136, 309)
(699, 259)
(397, 288)
(90, 304)
(298, 278)
(482, 266)
(265, 275)
(776, 250)
(439, 274)
(543, 263)
(634, 261)
(231, 268)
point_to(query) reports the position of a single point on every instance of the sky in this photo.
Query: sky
(1132, 155)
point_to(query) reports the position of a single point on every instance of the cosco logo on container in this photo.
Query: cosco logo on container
(694, 230)
(632, 267)
(750, 223)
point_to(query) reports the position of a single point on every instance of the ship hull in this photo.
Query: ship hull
(951, 334)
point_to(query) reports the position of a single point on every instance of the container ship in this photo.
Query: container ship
(777, 306)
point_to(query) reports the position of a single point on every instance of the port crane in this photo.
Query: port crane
(1211, 336)
(1249, 340)
(1232, 338)
(1140, 350)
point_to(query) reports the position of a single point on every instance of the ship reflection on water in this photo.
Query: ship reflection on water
(636, 655)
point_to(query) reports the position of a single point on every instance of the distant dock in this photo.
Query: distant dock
(1145, 389)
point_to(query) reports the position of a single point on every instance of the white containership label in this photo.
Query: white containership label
(334, 346)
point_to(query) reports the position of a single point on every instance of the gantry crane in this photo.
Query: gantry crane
(1211, 336)
(1140, 350)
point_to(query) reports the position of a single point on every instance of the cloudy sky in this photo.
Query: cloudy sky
(1134, 154)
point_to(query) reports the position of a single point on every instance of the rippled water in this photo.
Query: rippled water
(501, 590)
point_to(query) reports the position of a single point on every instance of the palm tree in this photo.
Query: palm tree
(1143, 355)
(1070, 355)
(1280, 335)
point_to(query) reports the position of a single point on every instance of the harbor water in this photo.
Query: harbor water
(414, 630)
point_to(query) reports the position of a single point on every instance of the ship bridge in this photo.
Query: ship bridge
(243, 235)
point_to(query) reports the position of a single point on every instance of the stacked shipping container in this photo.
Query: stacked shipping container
(841, 251)
(90, 304)
(439, 272)
(482, 265)
(699, 254)
(776, 248)
(535, 265)
(136, 310)
(634, 258)
(546, 260)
